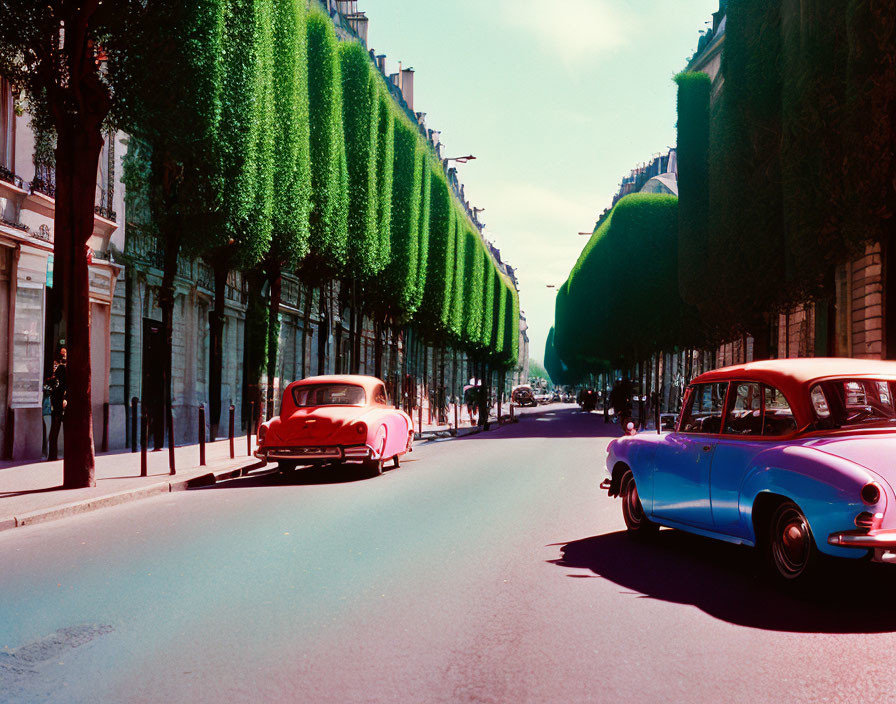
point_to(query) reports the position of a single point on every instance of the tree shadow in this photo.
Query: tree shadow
(550, 422)
(725, 581)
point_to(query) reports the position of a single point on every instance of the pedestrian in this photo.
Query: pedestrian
(56, 387)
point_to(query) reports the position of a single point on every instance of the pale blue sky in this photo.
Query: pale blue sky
(557, 100)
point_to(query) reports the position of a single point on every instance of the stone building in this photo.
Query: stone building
(27, 204)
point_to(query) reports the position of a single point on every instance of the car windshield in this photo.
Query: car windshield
(328, 395)
(846, 403)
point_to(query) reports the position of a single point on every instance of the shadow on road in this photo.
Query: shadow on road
(551, 422)
(724, 581)
(299, 477)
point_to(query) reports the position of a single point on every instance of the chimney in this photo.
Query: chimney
(381, 63)
(407, 86)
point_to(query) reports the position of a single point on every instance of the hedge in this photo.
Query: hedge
(328, 219)
(474, 264)
(435, 313)
(290, 133)
(360, 115)
(461, 282)
(693, 183)
(384, 174)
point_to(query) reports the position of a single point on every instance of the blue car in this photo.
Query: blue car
(795, 457)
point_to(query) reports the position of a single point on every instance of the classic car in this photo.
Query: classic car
(332, 420)
(523, 396)
(793, 456)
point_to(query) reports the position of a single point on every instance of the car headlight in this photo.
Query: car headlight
(871, 493)
(361, 429)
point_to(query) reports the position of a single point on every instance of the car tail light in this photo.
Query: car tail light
(361, 428)
(871, 493)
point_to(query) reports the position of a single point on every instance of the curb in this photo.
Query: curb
(75, 508)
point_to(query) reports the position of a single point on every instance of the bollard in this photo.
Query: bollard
(499, 410)
(420, 417)
(511, 411)
(105, 445)
(170, 424)
(134, 422)
(642, 420)
(249, 428)
(202, 435)
(455, 416)
(144, 427)
(232, 420)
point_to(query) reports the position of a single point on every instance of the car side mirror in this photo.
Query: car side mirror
(630, 428)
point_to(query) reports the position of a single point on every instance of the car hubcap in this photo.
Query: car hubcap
(792, 542)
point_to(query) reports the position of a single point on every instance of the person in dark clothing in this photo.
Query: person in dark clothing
(56, 387)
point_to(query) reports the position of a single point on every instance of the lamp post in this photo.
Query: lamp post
(461, 159)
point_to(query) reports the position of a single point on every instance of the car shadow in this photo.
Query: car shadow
(300, 477)
(725, 581)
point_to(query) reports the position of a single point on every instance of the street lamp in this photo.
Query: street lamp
(586, 233)
(550, 286)
(461, 159)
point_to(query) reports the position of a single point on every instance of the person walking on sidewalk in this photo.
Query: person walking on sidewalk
(56, 387)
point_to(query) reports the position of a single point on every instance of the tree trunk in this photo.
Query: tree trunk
(323, 331)
(378, 349)
(256, 336)
(166, 304)
(77, 156)
(306, 323)
(216, 348)
(275, 277)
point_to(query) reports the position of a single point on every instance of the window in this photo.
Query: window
(777, 416)
(380, 397)
(745, 412)
(854, 402)
(703, 411)
(328, 395)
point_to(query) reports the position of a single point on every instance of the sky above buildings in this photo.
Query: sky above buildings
(557, 100)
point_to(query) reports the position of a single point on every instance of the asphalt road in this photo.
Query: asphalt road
(486, 569)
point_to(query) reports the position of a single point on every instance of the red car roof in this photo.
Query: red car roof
(794, 376)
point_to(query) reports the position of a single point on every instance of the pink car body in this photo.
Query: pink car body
(354, 424)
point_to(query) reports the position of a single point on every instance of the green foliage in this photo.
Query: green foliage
(499, 302)
(423, 229)
(461, 288)
(474, 267)
(746, 201)
(328, 219)
(384, 174)
(290, 134)
(512, 328)
(401, 275)
(435, 314)
(693, 182)
(360, 113)
(488, 304)
(611, 310)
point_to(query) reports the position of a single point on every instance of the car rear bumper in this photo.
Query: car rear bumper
(879, 538)
(315, 454)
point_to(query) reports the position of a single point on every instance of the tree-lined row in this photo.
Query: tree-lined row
(316, 168)
(790, 170)
(258, 142)
(621, 302)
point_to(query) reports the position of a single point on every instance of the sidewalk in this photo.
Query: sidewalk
(30, 493)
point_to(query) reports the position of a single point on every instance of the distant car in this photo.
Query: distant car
(794, 457)
(542, 399)
(332, 420)
(523, 396)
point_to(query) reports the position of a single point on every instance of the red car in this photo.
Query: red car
(334, 420)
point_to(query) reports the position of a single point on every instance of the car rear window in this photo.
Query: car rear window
(844, 403)
(328, 395)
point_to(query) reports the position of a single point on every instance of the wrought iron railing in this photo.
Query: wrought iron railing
(104, 207)
(44, 180)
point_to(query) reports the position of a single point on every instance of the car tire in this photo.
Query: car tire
(788, 547)
(636, 521)
(372, 468)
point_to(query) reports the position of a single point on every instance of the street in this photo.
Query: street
(486, 569)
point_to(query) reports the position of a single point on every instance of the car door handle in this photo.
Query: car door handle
(707, 448)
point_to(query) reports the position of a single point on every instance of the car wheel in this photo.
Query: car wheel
(789, 547)
(633, 514)
(374, 466)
